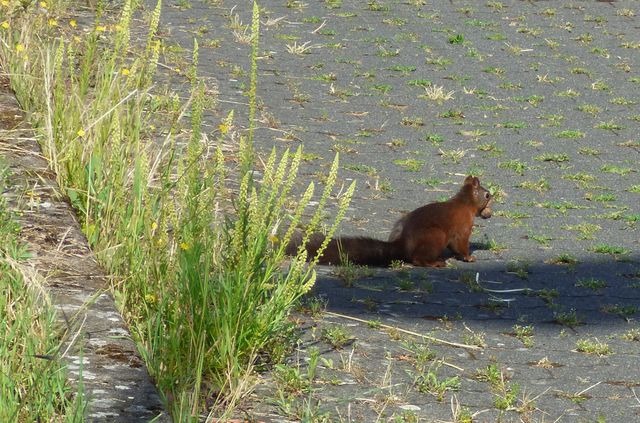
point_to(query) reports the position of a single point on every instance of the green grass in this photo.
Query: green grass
(524, 334)
(587, 151)
(404, 69)
(456, 39)
(33, 380)
(362, 168)
(541, 239)
(428, 381)
(414, 121)
(610, 249)
(435, 139)
(452, 114)
(562, 206)
(609, 126)
(534, 100)
(632, 335)
(197, 265)
(540, 186)
(431, 183)
(349, 273)
(515, 165)
(564, 258)
(571, 134)
(513, 125)
(586, 230)
(491, 374)
(497, 36)
(567, 318)
(589, 108)
(579, 177)
(336, 335)
(382, 88)
(551, 120)
(491, 148)
(615, 169)
(593, 346)
(513, 214)
(624, 311)
(553, 157)
(591, 283)
(411, 165)
(623, 101)
(419, 83)
(518, 268)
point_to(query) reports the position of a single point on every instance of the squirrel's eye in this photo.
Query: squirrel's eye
(487, 195)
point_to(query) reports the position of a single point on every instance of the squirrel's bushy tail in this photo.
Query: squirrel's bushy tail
(357, 250)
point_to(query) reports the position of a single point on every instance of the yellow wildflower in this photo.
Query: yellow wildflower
(53, 22)
(124, 71)
(184, 246)
(101, 28)
(5, 24)
(150, 298)
(43, 4)
(19, 48)
(224, 128)
(81, 132)
(73, 23)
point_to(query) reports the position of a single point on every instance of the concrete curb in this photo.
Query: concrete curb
(99, 350)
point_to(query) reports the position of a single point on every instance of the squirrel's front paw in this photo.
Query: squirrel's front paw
(469, 258)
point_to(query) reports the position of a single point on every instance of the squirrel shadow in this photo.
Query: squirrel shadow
(591, 292)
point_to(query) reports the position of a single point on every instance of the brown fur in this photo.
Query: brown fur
(419, 238)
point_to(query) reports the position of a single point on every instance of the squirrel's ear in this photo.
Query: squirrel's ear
(471, 180)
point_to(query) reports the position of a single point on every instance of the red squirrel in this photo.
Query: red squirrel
(420, 237)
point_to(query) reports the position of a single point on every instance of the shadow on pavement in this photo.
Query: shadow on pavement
(601, 291)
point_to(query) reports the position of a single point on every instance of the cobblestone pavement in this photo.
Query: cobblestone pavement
(540, 100)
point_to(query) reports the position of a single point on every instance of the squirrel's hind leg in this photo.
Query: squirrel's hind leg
(428, 249)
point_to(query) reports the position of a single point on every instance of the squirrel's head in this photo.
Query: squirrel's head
(481, 197)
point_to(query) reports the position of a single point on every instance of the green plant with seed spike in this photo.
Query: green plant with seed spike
(255, 34)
